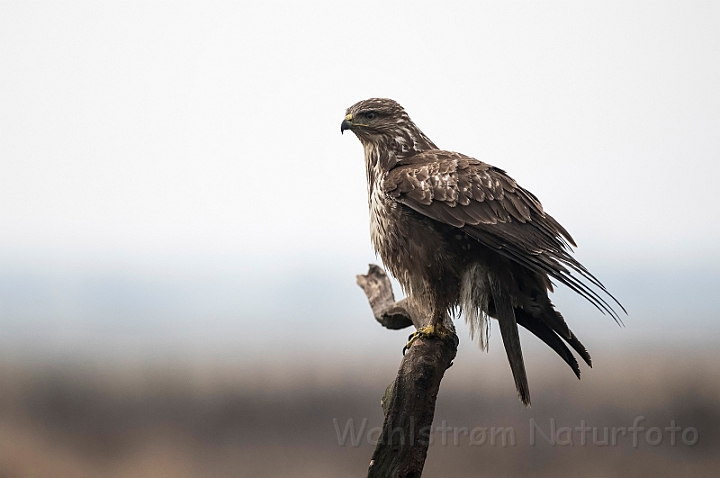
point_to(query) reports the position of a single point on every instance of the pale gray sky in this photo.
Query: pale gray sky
(174, 172)
(214, 127)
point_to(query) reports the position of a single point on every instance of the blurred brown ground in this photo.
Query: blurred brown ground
(218, 420)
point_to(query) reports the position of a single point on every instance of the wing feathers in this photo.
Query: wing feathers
(489, 206)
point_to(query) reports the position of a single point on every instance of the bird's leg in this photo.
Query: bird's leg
(436, 329)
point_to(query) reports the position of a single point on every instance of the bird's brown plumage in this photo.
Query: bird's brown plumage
(457, 232)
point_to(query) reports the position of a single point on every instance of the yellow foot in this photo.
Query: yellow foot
(438, 330)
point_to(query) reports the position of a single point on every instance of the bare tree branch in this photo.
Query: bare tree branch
(377, 287)
(409, 402)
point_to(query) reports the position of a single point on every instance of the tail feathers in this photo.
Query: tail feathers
(552, 316)
(555, 320)
(580, 349)
(542, 331)
(511, 340)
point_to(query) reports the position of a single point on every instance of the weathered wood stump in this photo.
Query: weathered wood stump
(409, 402)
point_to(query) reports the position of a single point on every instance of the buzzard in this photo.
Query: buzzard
(459, 234)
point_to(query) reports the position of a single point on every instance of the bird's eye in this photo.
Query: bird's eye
(371, 115)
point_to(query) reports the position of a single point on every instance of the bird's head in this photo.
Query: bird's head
(374, 117)
(382, 121)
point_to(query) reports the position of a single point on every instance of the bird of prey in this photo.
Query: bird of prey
(459, 234)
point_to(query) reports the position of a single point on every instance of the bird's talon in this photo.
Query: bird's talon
(427, 331)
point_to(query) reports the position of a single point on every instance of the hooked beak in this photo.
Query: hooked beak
(346, 124)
